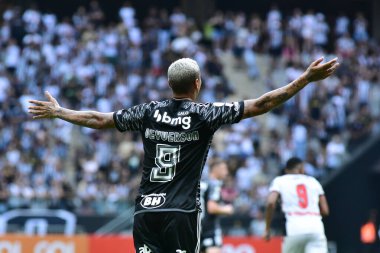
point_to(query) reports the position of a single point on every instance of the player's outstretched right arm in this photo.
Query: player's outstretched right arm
(51, 109)
(270, 100)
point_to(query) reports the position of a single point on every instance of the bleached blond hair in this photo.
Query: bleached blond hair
(182, 74)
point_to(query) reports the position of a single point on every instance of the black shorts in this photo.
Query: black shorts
(211, 239)
(167, 232)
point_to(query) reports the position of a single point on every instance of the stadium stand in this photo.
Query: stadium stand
(88, 63)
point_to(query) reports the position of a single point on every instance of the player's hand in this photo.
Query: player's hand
(319, 71)
(267, 236)
(44, 109)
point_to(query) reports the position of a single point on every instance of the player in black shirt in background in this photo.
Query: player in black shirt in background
(212, 207)
(176, 134)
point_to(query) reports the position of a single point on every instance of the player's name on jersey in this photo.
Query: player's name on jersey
(171, 136)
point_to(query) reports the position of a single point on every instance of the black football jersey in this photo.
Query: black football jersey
(210, 190)
(176, 134)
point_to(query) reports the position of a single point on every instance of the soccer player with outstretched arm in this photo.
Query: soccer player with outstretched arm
(176, 135)
(304, 203)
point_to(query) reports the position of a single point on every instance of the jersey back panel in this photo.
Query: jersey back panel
(176, 135)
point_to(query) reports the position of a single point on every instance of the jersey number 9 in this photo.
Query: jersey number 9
(167, 157)
(302, 196)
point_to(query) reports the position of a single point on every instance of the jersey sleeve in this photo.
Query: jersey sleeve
(275, 185)
(218, 114)
(130, 119)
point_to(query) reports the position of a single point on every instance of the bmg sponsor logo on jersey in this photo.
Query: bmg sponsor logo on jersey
(185, 122)
(153, 200)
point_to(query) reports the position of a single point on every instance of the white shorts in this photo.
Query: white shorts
(305, 243)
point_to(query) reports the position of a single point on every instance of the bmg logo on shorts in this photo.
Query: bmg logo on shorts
(153, 200)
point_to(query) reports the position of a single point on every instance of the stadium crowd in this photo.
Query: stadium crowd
(88, 63)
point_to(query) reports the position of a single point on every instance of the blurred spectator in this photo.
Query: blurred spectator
(360, 126)
(127, 15)
(342, 24)
(360, 28)
(335, 152)
(321, 30)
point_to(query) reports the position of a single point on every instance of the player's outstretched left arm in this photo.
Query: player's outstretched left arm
(51, 109)
(270, 207)
(270, 100)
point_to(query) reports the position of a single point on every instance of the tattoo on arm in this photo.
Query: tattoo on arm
(272, 99)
